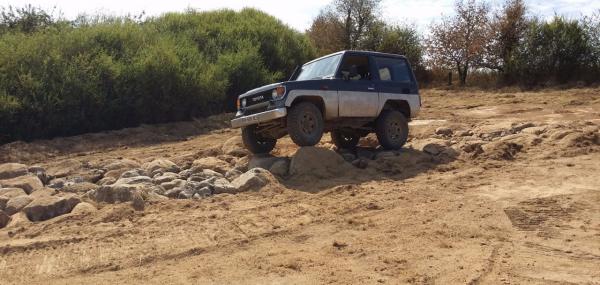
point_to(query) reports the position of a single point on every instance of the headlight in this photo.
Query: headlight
(244, 103)
(278, 92)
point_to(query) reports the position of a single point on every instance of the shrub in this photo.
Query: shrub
(106, 73)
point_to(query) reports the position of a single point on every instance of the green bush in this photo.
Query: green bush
(107, 73)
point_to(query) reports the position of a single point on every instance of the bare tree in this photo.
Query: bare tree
(459, 41)
(506, 31)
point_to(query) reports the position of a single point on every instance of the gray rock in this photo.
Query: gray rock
(12, 170)
(134, 180)
(9, 193)
(134, 173)
(519, 127)
(15, 204)
(29, 183)
(160, 165)
(186, 173)
(173, 184)
(280, 167)
(122, 164)
(222, 185)
(433, 148)
(119, 193)
(233, 174)
(137, 202)
(204, 174)
(166, 177)
(57, 183)
(4, 219)
(263, 161)
(47, 207)
(253, 180)
(107, 181)
(80, 187)
(444, 131)
(465, 133)
(40, 172)
(191, 190)
(174, 193)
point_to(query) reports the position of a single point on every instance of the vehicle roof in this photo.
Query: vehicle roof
(360, 52)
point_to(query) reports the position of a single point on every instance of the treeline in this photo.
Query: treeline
(498, 45)
(61, 78)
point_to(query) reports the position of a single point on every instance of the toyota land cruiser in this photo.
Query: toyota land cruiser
(348, 93)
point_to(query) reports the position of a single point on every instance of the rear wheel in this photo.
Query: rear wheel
(305, 124)
(255, 142)
(344, 139)
(391, 129)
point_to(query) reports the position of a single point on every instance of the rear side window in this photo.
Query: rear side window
(393, 69)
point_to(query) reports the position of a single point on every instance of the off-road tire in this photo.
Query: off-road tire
(305, 124)
(256, 143)
(391, 129)
(344, 140)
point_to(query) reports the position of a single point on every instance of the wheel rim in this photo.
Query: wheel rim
(308, 123)
(394, 129)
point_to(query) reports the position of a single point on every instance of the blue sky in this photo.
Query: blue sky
(299, 14)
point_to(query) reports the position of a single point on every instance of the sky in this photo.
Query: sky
(299, 14)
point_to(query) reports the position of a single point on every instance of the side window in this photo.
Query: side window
(355, 67)
(393, 69)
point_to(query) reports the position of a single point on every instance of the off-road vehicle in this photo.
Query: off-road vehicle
(348, 93)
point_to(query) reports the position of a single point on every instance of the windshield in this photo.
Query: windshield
(319, 69)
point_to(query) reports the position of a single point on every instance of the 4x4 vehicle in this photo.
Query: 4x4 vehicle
(348, 93)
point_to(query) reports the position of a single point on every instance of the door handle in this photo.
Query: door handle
(371, 88)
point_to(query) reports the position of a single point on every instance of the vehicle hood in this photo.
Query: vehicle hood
(262, 89)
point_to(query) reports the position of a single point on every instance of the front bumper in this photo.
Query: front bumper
(258, 118)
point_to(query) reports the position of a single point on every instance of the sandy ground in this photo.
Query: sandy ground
(506, 215)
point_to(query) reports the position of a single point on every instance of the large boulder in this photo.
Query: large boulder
(12, 170)
(166, 177)
(15, 204)
(235, 147)
(9, 193)
(47, 207)
(118, 193)
(4, 219)
(211, 163)
(319, 163)
(29, 183)
(160, 165)
(253, 180)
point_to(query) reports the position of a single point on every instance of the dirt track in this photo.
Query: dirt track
(511, 206)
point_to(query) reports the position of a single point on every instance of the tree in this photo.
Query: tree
(326, 33)
(459, 41)
(27, 19)
(403, 40)
(345, 24)
(506, 31)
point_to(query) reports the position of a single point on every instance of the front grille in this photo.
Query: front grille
(258, 98)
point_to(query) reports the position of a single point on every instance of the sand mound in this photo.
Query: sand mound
(318, 163)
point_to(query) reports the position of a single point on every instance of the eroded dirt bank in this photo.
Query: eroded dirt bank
(493, 188)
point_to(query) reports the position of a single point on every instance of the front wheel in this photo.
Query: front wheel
(391, 129)
(255, 142)
(344, 140)
(305, 124)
